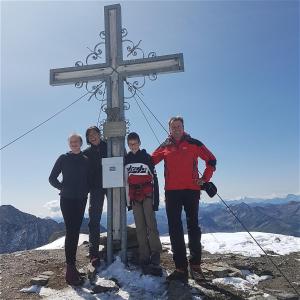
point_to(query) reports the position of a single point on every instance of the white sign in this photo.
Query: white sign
(113, 172)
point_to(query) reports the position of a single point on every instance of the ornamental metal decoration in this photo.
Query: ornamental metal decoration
(135, 51)
(95, 54)
(97, 90)
(126, 105)
(100, 125)
(127, 126)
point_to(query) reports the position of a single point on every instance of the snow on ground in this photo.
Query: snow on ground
(242, 243)
(60, 243)
(133, 284)
(223, 242)
(248, 283)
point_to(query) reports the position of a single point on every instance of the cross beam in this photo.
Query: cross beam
(127, 68)
(114, 72)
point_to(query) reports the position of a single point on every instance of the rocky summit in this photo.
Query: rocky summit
(37, 274)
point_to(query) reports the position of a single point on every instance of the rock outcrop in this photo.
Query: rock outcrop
(22, 231)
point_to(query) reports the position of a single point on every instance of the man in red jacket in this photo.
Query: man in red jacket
(180, 153)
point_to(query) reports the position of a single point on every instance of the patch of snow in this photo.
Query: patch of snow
(242, 243)
(66, 294)
(242, 284)
(236, 282)
(255, 279)
(60, 243)
(32, 289)
(133, 279)
(133, 285)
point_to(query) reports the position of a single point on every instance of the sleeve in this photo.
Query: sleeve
(210, 162)
(155, 185)
(126, 184)
(158, 155)
(57, 169)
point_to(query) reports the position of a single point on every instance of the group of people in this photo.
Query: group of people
(82, 174)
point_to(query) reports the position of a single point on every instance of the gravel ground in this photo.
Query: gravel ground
(16, 270)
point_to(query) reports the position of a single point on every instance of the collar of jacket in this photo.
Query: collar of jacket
(95, 147)
(171, 141)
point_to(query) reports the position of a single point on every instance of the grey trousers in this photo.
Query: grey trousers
(147, 233)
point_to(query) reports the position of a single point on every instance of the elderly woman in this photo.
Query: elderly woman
(74, 187)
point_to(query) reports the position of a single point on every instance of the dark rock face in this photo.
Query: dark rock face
(22, 231)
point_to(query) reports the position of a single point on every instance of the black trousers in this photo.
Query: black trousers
(72, 211)
(175, 201)
(95, 212)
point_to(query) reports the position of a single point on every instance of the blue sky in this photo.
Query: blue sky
(239, 93)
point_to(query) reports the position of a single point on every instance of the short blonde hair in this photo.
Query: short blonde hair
(75, 135)
(177, 118)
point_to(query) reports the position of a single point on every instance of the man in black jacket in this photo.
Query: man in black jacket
(95, 153)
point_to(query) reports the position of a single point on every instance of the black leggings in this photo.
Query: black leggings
(72, 211)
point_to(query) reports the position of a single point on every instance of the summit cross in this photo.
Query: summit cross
(114, 71)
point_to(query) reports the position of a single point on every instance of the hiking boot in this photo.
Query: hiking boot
(72, 275)
(180, 275)
(196, 272)
(155, 270)
(144, 266)
(151, 269)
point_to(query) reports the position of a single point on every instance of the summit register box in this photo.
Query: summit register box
(113, 172)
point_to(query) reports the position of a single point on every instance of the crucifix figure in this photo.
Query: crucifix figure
(114, 72)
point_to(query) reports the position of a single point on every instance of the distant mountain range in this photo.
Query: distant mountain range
(22, 231)
(262, 201)
(278, 215)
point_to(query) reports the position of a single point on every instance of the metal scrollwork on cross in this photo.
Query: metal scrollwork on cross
(136, 51)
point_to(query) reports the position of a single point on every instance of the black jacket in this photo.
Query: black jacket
(141, 162)
(95, 155)
(76, 175)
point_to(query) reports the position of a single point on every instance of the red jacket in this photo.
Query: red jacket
(181, 162)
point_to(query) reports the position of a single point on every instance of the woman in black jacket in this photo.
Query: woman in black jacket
(74, 187)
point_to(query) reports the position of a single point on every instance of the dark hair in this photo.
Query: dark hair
(133, 136)
(177, 118)
(95, 128)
